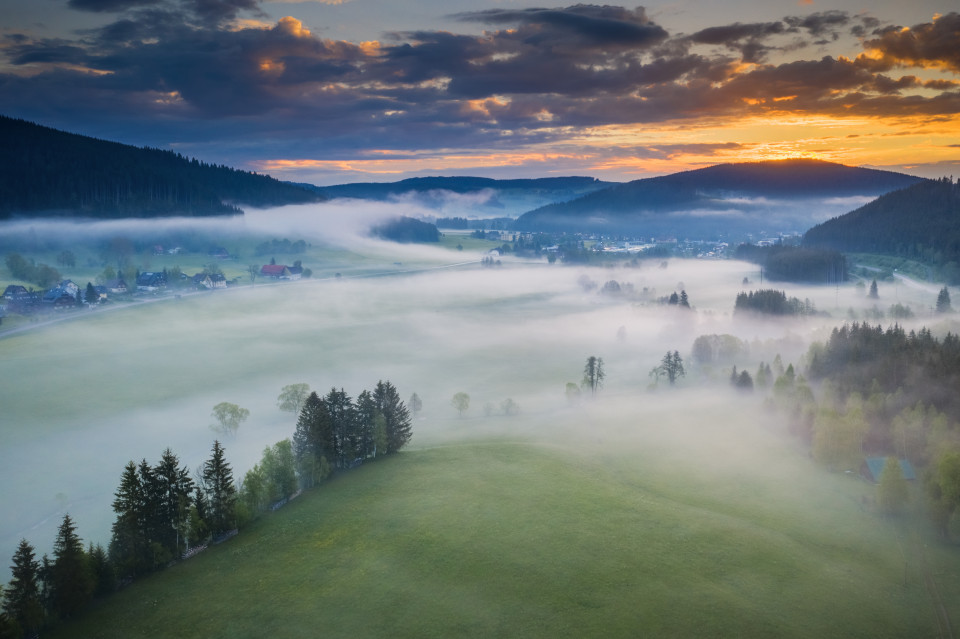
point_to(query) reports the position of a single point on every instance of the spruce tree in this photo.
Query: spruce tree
(943, 301)
(173, 486)
(22, 598)
(71, 580)
(873, 290)
(221, 492)
(128, 543)
(395, 414)
(313, 441)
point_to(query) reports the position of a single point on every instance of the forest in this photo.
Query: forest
(43, 170)
(890, 225)
(784, 263)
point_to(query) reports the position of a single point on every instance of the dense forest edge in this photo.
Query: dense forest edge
(44, 171)
(918, 222)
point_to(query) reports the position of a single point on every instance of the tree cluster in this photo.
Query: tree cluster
(406, 230)
(772, 302)
(784, 263)
(43, 275)
(335, 432)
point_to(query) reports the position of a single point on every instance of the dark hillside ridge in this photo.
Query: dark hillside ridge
(463, 184)
(45, 171)
(921, 222)
(648, 203)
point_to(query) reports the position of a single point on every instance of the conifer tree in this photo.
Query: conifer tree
(873, 290)
(22, 598)
(943, 301)
(128, 543)
(593, 374)
(395, 414)
(173, 489)
(313, 441)
(221, 492)
(71, 581)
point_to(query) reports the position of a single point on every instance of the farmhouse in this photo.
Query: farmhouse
(209, 280)
(151, 281)
(276, 271)
(14, 291)
(117, 287)
(63, 294)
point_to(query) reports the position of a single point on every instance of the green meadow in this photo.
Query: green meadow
(526, 539)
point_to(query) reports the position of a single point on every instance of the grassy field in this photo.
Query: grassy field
(518, 539)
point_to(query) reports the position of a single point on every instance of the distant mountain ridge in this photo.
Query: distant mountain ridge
(465, 195)
(44, 171)
(921, 222)
(714, 199)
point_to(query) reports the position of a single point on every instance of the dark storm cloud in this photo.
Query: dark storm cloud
(112, 6)
(576, 28)
(821, 24)
(931, 44)
(192, 72)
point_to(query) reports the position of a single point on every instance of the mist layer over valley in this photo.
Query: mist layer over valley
(82, 398)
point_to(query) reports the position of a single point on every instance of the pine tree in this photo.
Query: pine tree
(128, 543)
(71, 580)
(173, 489)
(943, 301)
(343, 421)
(593, 374)
(22, 599)
(395, 414)
(684, 300)
(313, 446)
(91, 294)
(873, 290)
(221, 492)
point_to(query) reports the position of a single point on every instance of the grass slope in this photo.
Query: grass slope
(505, 539)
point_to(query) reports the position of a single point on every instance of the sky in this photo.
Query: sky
(336, 91)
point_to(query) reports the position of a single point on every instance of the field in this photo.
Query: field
(649, 509)
(518, 538)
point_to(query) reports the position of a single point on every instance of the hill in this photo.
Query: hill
(479, 196)
(782, 195)
(921, 222)
(507, 539)
(44, 171)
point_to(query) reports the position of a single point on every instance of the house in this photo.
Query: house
(118, 286)
(209, 280)
(101, 293)
(275, 271)
(14, 291)
(63, 294)
(872, 468)
(151, 281)
(294, 272)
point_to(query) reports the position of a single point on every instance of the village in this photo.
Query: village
(67, 295)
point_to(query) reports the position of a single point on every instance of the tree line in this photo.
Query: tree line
(43, 169)
(165, 513)
(786, 263)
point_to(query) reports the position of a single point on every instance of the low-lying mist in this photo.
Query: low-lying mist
(82, 398)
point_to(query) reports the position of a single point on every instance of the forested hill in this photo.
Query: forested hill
(44, 171)
(921, 222)
(728, 193)
(560, 187)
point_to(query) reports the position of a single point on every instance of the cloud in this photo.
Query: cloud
(112, 6)
(930, 45)
(189, 73)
